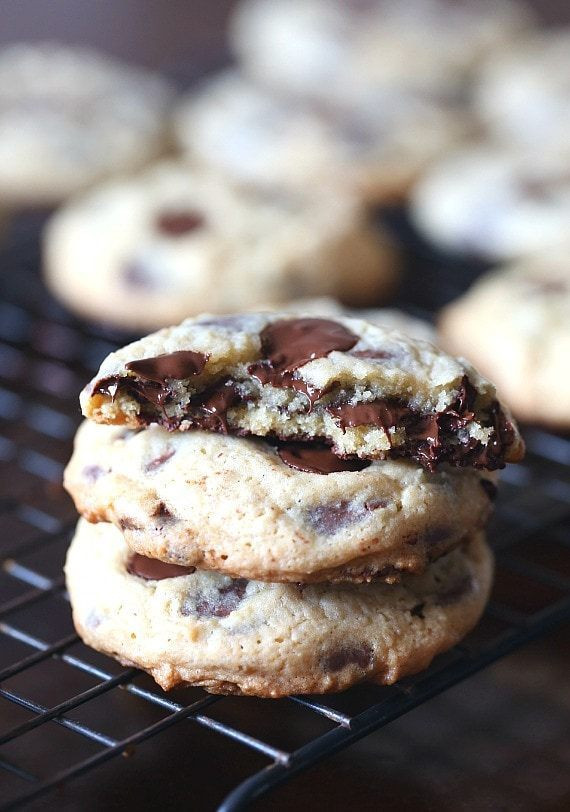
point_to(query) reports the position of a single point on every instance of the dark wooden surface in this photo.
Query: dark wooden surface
(497, 742)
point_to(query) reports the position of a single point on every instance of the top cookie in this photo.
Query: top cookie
(70, 116)
(362, 389)
(328, 49)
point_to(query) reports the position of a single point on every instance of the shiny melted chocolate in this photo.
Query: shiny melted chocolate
(152, 376)
(316, 458)
(153, 570)
(288, 344)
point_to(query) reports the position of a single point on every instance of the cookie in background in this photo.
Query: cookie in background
(491, 202)
(258, 138)
(514, 325)
(70, 116)
(334, 51)
(523, 94)
(147, 251)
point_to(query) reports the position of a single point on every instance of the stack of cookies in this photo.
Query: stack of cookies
(283, 504)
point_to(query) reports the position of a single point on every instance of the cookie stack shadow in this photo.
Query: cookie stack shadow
(212, 553)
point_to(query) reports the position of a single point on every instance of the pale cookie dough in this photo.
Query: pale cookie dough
(494, 203)
(70, 116)
(327, 49)
(240, 636)
(514, 324)
(149, 251)
(523, 94)
(257, 138)
(363, 389)
(242, 507)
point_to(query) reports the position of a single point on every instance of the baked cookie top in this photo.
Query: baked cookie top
(364, 390)
(241, 636)
(274, 512)
(70, 115)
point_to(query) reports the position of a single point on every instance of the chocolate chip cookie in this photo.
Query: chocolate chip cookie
(146, 252)
(70, 116)
(514, 324)
(333, 50)
(273, 512)
(359, 388)
(247, 637)
(495, 203)
(370, 148)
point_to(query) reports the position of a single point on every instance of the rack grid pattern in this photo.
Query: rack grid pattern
(90, 710)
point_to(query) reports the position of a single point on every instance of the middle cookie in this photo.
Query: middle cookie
(284, 512)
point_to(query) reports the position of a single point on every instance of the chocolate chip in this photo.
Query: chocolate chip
(288, 344)
(329, 519)
(456, 591)
(316, 458)
(162, 512)
(159, 461)
(376, 504)
(418, 610)
(178, 223)
(128, 524)
(209, 409)
(153, 570)
(92, 473)
(177, 366)
(222, 603)
(340, 658)
(135, 275)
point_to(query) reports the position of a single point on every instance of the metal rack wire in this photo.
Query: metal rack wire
(66, 710)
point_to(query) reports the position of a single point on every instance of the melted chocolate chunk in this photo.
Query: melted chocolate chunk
(153, 570)
(152, 376)
(433, 438)
(376, 504)
(209, 409)
(178, 223)
(340, 658)
(176, 366)
(159, 461)
(225, 602)
(288, 344)
(329, 519)
(315, 458)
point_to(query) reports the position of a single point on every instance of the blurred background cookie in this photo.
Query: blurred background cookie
(523, 93)
(257, 137)
(495, 203)
(70, 116)
(174, 241)
(514, 325)
(336, 51)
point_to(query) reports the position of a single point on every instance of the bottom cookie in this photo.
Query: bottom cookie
(247, 637)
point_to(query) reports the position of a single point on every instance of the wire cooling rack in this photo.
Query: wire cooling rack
(65, 710)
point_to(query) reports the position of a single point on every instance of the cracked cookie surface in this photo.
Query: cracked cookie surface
(240, 636)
